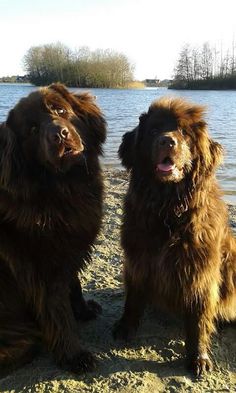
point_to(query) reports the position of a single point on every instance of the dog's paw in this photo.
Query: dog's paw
(200, 365)
(122, 331)
(82, 362)
(90, 310)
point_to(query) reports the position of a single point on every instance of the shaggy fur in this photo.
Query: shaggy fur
(50, 213)
(179, 249)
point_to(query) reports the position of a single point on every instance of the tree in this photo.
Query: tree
(85, 68)
(46, 64)
(183, 70)
(196, 64)
(205, 68)
(206, 65)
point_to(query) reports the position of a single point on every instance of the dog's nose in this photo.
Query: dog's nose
(64, 133)
(166, 141)
(58, 134)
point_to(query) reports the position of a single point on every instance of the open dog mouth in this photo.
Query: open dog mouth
(69, 151)
(166, 166)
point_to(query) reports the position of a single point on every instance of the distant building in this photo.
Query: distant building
(22, 78)
(165, 82)
(151, 82)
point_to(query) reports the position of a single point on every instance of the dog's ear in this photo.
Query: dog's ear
(8, 155)
(11, 120)
(127, 149)
(142, 120)
(85, 107)
(216, 154)
(208, 153)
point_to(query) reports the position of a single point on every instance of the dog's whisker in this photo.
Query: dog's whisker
(85, 163)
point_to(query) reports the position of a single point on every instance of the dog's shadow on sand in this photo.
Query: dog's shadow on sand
(157, 348)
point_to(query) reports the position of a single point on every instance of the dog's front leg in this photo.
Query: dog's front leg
(59, 328)
(199, 324)
(135, 303)
(83, 310)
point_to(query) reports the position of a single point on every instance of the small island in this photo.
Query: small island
(100, 68)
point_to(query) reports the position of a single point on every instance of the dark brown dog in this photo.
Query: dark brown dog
(179, 249)
(50, 213)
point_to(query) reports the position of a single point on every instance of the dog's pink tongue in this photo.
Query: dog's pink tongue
(165, 167)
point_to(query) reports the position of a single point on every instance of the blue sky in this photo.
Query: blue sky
(150, 32)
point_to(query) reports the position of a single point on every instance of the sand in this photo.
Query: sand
(154, 360)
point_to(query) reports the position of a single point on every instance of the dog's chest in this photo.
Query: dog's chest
(166, 264)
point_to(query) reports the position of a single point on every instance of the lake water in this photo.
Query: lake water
(123, 107)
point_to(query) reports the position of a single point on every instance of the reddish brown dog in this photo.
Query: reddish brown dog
(50, 213)
(179, 249)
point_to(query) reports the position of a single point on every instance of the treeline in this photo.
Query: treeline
(205, 68)
(84, 68)
(14, 79)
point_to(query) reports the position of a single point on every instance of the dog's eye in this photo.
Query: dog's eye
(183, 131)
(60, 111)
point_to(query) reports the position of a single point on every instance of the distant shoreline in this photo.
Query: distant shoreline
(16, 83)
(204, 84)
(134, 86)
(202, 89)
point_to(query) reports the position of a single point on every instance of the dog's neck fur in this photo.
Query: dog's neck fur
(171, 199)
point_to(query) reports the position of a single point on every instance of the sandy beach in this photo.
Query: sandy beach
(154, 360)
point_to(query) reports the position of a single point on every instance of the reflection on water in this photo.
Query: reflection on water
(122, 109)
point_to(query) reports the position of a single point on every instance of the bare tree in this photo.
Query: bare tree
(206, 61)
(183, 70)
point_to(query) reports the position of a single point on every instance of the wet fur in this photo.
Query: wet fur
(179, 250)
(50, 214)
